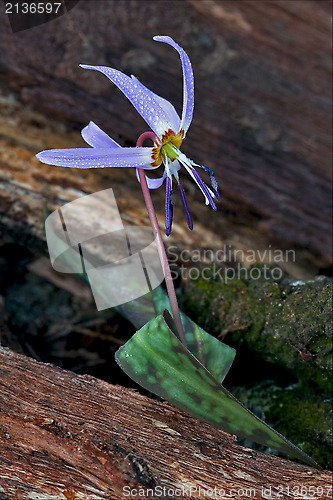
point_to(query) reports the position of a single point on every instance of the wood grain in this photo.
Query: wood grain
(64, 436)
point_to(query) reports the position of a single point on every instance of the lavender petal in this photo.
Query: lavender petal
(186, 207)
(141, 98)
(96, 138)
(188, 82)
(98, 158)
(168, 206)
(171, 113)
(153, 183)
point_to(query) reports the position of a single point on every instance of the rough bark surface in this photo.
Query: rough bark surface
(262, 117)
(65, 436)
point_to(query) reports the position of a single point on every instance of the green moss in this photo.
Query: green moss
(281, 330)
(285, 324)
(300, 414)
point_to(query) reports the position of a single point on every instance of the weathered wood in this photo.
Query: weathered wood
(64, 436)
(262, 117)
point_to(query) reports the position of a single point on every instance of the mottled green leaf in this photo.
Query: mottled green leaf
(156, 359)
(216, 356)
(213, 354)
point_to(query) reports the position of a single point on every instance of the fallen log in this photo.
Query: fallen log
(65, 436)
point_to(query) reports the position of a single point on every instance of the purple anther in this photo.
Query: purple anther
(204, 188)
(213, 181)
(185, 205)
(214, 187)
(168, 206)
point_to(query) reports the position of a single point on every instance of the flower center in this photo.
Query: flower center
(163, 146)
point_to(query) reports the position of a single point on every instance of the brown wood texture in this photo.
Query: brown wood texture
(262, 115)
(65, 436)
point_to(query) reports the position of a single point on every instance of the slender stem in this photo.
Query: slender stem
(159, 243)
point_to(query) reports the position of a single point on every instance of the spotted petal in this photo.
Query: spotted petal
(169, 109)
(98, 157)
(142, 99)
(96, 138)
(188, 82)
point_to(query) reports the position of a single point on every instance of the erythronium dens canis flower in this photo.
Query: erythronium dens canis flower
(170, 131)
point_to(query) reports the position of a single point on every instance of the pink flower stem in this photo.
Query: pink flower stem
(159, 242)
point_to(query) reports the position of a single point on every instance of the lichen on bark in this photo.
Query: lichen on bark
(299, 412)
(282, 331)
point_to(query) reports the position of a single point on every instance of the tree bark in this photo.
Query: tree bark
(65, 436)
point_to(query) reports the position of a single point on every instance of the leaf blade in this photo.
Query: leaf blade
(155, 358)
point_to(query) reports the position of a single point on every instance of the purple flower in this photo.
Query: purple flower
(164, 121)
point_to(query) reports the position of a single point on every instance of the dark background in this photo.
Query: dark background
(262, 106)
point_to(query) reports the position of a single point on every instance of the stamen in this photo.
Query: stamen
(185, 205)
(212, 180)
(173, 170)
(188, 164)
(203, 187)
(168, 206)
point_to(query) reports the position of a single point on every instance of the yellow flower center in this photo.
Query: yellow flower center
(163, 146)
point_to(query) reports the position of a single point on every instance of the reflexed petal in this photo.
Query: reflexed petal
(169, 109)
(141, 98)
(96, 138)
(98, 157)
(153, 183)
(168, 206)
(185, 206)
(188, 82)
